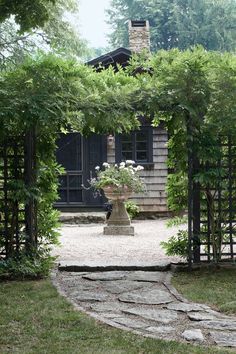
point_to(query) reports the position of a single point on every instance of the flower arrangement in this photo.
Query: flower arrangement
(119, 176)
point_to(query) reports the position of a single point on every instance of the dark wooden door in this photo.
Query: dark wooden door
(79, 156)
(95, 153)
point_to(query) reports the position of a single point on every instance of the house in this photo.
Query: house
(147, 147)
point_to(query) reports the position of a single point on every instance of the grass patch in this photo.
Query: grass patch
(215, 287)
(36, 320)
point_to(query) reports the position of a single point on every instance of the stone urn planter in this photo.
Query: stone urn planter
(119, 221)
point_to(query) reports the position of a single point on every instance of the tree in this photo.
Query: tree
(57, 35)
(28, 14)
(61, 35)
(178, 23)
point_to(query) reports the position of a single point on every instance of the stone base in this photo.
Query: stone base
(118, 230)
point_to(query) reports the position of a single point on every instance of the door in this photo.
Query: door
(79, 156)
(95, 153)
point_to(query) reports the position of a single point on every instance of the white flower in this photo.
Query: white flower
(105, 164)
(130, 162)
(139, 168)
(122, 164)
(97, 168)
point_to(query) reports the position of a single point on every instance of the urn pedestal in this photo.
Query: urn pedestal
(119, 221)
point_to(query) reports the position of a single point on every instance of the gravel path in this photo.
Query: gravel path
(85, 244)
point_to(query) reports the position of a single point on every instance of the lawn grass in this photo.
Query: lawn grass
(34, 319)
(215, 287)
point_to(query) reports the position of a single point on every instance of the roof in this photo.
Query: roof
(119, 56)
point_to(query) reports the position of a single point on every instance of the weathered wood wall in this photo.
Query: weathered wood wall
(155, 199)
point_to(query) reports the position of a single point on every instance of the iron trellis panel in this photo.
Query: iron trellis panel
(17, 215)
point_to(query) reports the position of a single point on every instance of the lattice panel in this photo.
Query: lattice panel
(12, 211)
(214, 224)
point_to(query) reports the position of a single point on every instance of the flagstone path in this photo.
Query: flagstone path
(145, 303)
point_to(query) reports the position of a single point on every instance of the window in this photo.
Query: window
(135, 146)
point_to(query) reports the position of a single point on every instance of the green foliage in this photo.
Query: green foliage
(192, 86)
(132, 208)
(56, 35)
(176, 221)
(48, 224)
(53, 94)
(192, 93)
(50, 95)
(177, 245)
(176, 189)
(24, 266)
(28, 14)
(177, 23)
(59, 33)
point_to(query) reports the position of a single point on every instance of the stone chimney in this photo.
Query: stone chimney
(139, 36)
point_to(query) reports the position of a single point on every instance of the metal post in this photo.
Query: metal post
(196, 211)
(190, 187)
(30, 181)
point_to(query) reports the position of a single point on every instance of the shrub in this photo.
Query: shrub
(177, 245)
(132, 208)
(34, 266)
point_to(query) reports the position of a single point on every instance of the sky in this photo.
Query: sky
(92, 21)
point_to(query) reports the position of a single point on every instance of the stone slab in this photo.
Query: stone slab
(74, 274)
(76, 266)
(111, 315)
(82, 218)
(118, 230)
(184, 307)
(75, 289)
(224, 339)
(106, 276)
(150, 297)
(200, 316)
(193, 335)
(122, 286)
(220, 324)
(159, 315)
(161, 329)
(147, 276)
(90, 296)
(129, 322)
(109, 306)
